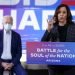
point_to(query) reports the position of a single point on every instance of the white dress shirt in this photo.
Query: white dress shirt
(6, 46)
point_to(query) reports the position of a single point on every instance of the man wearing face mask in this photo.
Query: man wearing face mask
(10, 48)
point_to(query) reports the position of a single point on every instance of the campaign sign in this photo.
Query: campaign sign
(53, 53)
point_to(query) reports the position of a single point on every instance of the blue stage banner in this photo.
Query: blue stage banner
(53, 53)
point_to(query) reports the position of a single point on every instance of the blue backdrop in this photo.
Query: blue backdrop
(30, 16)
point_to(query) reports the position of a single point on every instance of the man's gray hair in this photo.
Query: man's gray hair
(8, 16)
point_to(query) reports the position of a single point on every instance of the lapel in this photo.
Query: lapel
(67, 35)
(12, 40)
(2, 33)
(70, 31)
(1, 41)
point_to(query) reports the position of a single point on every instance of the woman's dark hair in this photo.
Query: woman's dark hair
(69, 15)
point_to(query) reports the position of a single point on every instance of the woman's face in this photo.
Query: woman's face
(62, 15)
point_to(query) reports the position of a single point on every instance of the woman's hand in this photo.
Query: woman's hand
(50, 24)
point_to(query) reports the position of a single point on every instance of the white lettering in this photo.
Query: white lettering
(9, 2)
(32, 22)
(37, 55)
(45, 15)
(26, 2)
(45, 2)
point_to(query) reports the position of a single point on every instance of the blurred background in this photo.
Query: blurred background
(30, 20)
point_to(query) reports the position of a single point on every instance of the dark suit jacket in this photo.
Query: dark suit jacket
(16, 48)
(53, 36)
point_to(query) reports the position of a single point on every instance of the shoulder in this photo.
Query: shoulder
(72, 25)
(71, 28)
(15, 33)
(1, 31)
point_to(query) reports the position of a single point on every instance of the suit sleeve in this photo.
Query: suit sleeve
(19, 51)
(47, 36)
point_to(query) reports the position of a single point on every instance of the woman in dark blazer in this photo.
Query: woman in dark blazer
(60, 29)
